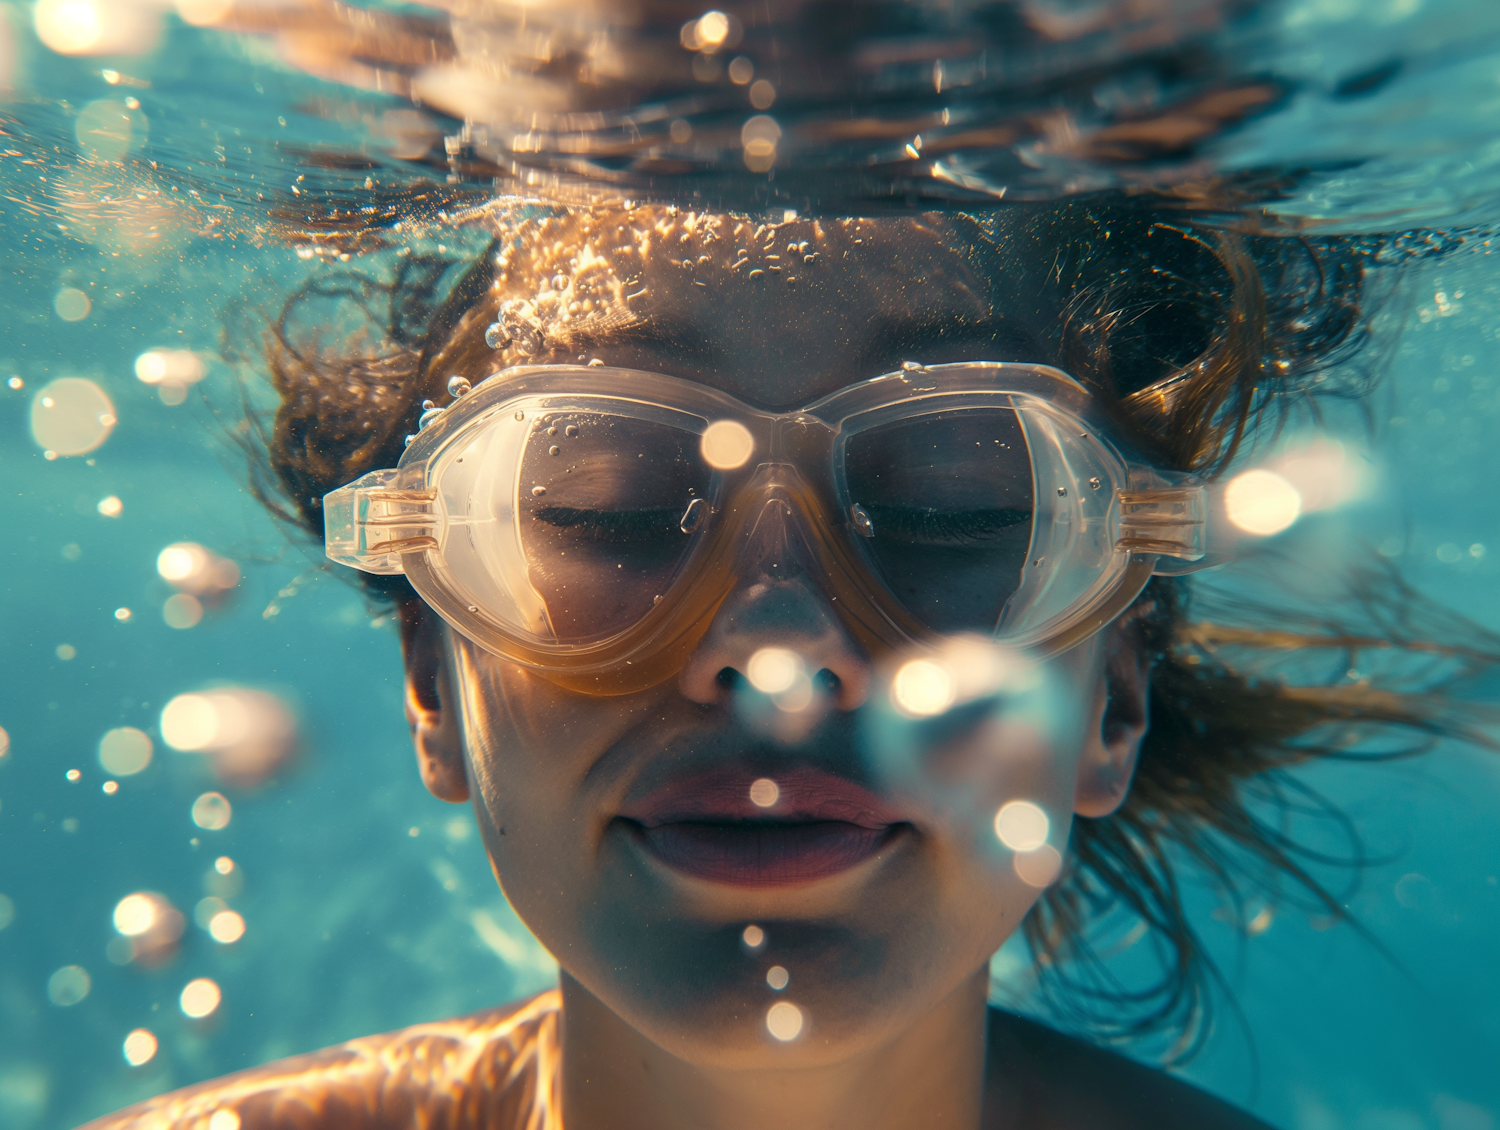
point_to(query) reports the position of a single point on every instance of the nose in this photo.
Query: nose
(777, 603)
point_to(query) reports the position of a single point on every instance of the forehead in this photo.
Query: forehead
(776, 314)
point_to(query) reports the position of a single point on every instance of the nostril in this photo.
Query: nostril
(728, 678)
(827, 682)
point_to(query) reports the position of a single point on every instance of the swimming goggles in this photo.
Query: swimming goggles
(588, 522)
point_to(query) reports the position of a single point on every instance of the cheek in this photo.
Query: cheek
(536, 759)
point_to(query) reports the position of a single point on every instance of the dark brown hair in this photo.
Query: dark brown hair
(1196, 335)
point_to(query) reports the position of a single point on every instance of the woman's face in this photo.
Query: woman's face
(627, 831)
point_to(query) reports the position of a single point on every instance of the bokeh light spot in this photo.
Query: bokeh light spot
(226, 927)
(182, 610)
(135, 914)
(106, 131)
(1021, 825)
(1039, 867)
(71, 304)
(772, 670)
(71, 416)
(189, 722)
(139, 1047)
(784, 1021)
(764, 792)
(777, 977)
(122, 614)
(7, 911)
(753, 937)
(727, 444)
(111, 507)
(223, 865)
(211, 811)
(1261, 502)
(66, 652)
(922, 688)
(110, 788)
(125, 751)
(68, 986)
(200, 997)
(225, 1119)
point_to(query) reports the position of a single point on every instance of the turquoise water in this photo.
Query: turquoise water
(367, 904)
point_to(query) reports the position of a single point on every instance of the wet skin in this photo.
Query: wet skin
(664, 1006)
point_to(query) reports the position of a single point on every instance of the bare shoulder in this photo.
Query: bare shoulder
(1040, 1079)
(492, 1070)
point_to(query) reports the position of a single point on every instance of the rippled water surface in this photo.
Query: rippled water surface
(296, 884)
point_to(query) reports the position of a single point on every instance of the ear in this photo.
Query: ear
(1121, 716)
(431, 700)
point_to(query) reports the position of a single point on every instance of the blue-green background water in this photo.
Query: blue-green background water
(369, 905)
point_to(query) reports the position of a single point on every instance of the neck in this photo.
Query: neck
(931, 1074)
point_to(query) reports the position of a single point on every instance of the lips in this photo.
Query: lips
(711, 826)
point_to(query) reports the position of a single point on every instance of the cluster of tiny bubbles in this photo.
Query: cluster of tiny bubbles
(957, 730)
(201, 578)
(71, 416)
(247, 735)
(171, 372)
(149, 928)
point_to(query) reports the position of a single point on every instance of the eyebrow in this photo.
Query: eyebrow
(893, 340)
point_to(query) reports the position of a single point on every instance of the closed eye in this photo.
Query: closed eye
(614, 527)
(920, 525)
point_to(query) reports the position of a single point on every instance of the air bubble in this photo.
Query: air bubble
(458, 386)
(537, 492)
(496, 338)
(554, 450)
(860, 518)
(571, 431)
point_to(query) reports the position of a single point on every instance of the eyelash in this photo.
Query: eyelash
(929, 526)
(613, 527)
